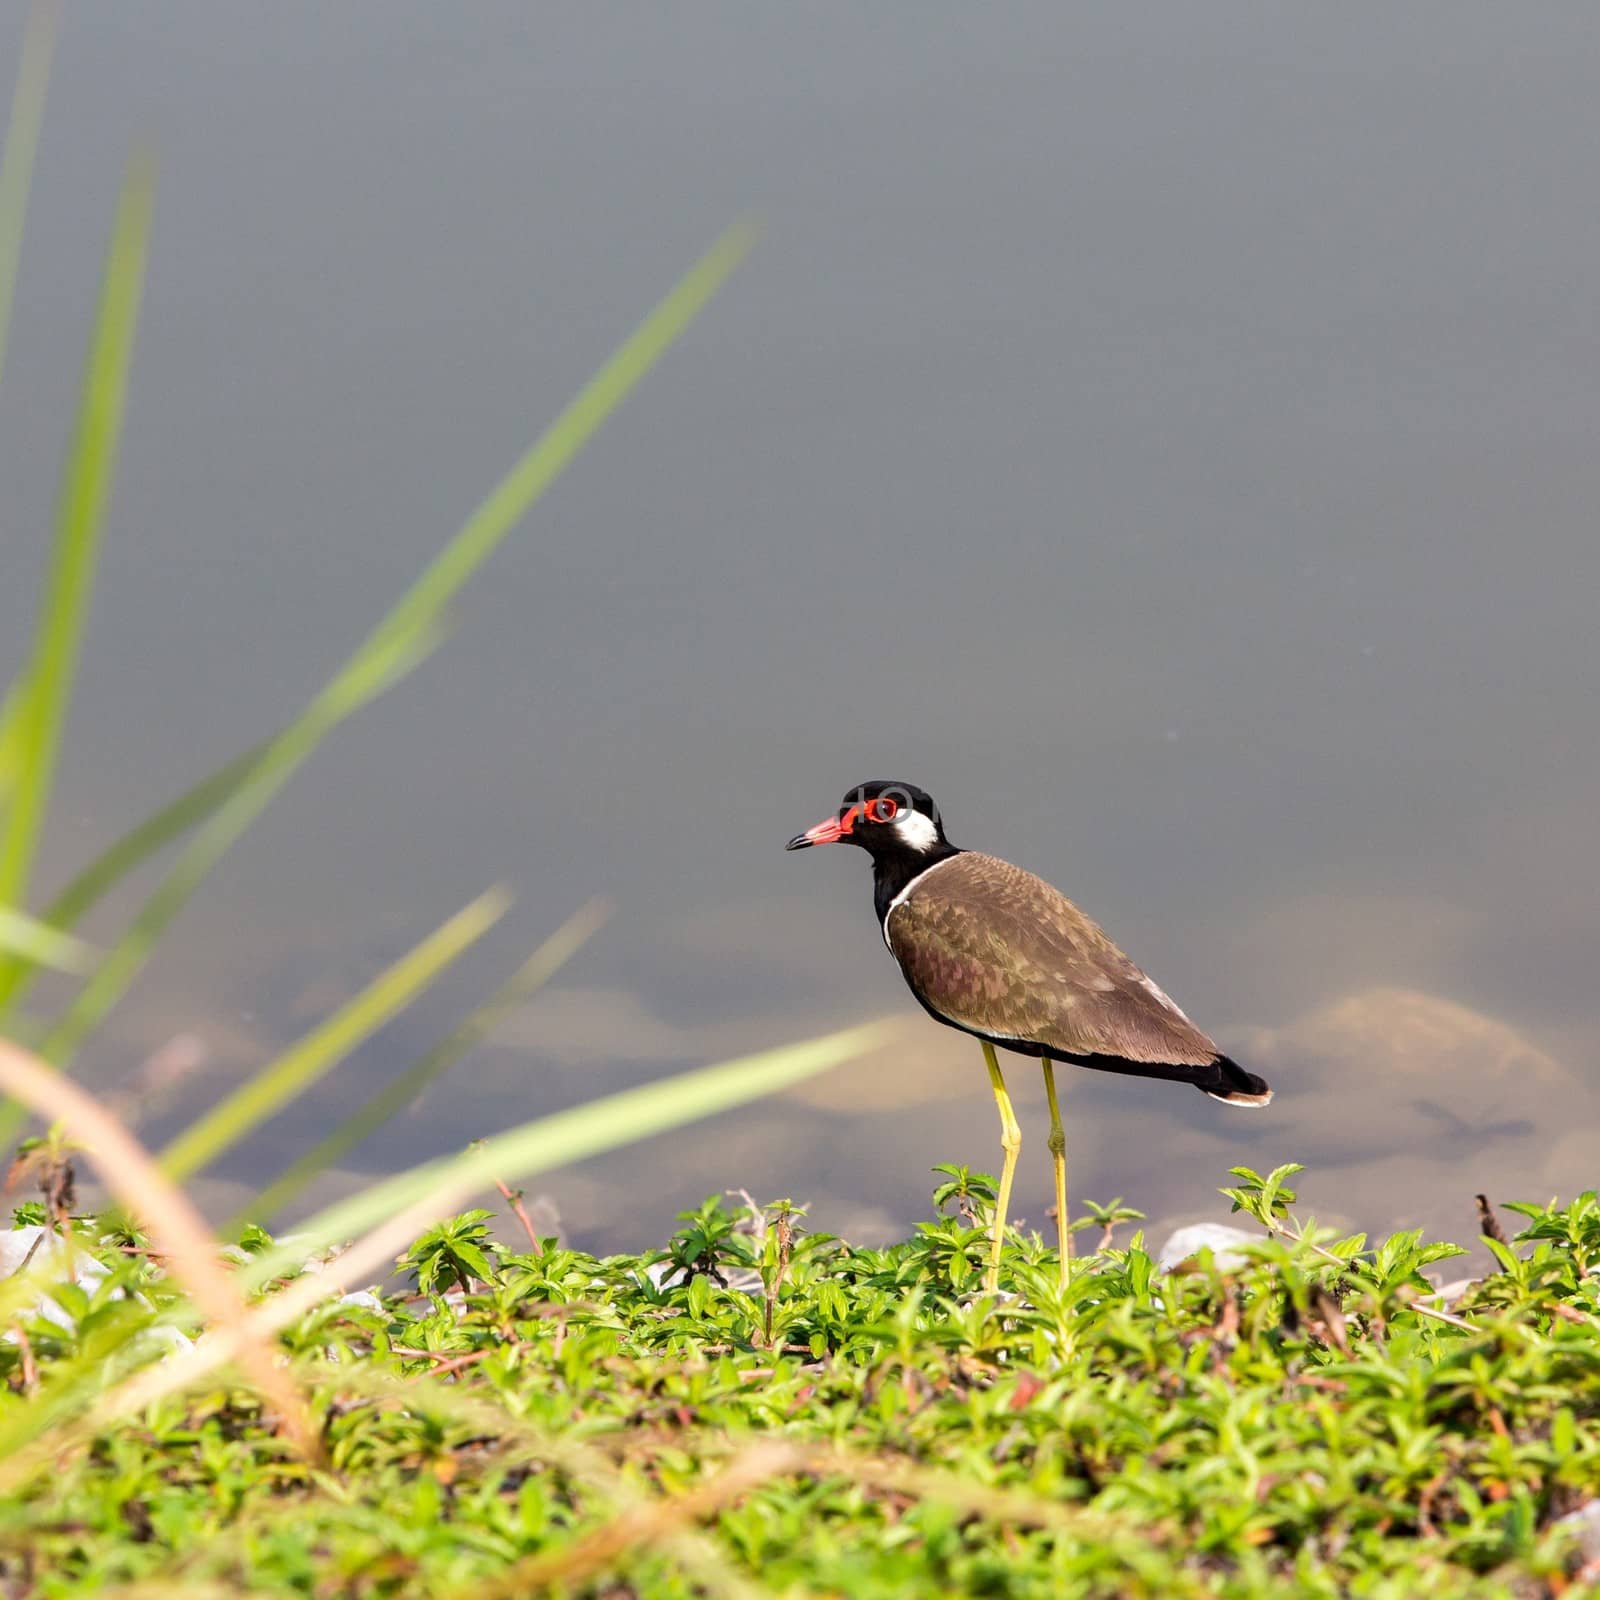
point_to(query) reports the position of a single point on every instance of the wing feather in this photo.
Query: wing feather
(997, 951)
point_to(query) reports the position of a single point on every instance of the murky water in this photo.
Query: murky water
(1166, 435)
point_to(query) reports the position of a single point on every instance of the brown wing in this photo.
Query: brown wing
(996, 950)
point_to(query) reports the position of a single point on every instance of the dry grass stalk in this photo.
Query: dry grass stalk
(671, 1522)
(249, 1329)
(173, 1223)
(1012, 1507)
(223, 1344)
(583, 1463)
(513, 1198)
(646, 1524)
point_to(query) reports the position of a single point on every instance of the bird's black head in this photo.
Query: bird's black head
(889, 820)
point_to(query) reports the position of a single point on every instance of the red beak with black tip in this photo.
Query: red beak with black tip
(829, 831)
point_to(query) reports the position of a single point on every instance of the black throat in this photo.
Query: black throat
(893, 869)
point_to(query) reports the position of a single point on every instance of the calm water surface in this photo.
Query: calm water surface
(1166, 434)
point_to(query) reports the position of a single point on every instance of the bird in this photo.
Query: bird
(998, 953)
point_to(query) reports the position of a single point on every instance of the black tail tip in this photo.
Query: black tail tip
(1236, 1087)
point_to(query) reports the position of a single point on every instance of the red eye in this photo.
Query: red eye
(883, 809)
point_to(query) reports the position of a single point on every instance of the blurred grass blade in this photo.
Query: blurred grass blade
(578, 422)
(139, 844)
(403, 1091)
(22, 142)
(324, 1047)
(39, 943)
(35, 717)
(418, 612)
(396, 1212)
(152, 835)
(175, 1227)
(438, 1187)
(9, 761)
(380, 669)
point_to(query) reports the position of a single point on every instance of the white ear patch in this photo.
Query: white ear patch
(916, 831)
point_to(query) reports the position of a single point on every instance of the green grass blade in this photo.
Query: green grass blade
(10, 761)
(137, 846)
(39, 943)
(420, 609)
(34, 724)
(324, 1047)
(154, 834)
(124, 960)
(512, 497)
(403, 1091)
(22, 142)
(568, 1136)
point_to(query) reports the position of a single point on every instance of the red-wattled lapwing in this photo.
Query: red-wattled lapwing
(998, 953)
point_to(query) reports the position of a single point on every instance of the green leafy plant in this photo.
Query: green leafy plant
(453, 1254)
(708, 1242)
(850, 1422)
(1266, 1199)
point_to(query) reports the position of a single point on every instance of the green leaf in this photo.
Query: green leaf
(1564, 1433)
(37, 713)
(473, 1258)
(304, 1063)
(1509, 1260)
(36, 941)
(699, 1295)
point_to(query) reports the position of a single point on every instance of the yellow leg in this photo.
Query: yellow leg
(1011, 1143)
(1058, 1156)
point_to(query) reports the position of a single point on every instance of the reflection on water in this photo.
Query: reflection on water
(1166, 437)
(1402, 1104)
